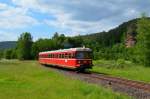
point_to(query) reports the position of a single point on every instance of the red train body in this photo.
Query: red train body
(74, 58)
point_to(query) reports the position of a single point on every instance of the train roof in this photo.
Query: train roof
(66, 50)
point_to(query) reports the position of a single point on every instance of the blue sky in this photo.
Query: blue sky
(42, 18)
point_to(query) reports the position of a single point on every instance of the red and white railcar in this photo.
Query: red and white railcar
(74, 58)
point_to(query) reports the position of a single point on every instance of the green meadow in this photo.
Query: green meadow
(29, 80)
(121, 68)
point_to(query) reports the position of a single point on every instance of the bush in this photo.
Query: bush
(7, 54)
(121, 63)
(1, 54)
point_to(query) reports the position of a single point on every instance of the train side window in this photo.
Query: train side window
(66, 55)
(59, 55)
(49, 55)
(62, 55)
(69, 55)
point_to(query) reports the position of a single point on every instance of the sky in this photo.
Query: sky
(42, 18)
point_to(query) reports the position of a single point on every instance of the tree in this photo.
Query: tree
(7, 54)
(78, 41)
(13, 54)
(42, 45)
(143, 41)
(68, 43)
(24, 45)
(56, 35)
(1, 54)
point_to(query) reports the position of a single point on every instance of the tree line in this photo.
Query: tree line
(26, 49)
(106, 45)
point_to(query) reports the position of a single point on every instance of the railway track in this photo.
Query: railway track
(137, 89)
(130, 83)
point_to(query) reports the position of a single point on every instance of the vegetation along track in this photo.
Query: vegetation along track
(137, 89)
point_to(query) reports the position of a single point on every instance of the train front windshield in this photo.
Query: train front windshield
(84, 55)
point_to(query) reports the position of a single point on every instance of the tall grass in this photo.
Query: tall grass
(123, 68)
(29, 80)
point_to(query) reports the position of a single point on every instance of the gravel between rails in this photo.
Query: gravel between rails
(136, 89)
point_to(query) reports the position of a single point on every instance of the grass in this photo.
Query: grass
(124, 69)
(29, 80)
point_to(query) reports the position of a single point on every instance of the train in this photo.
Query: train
(78, 59)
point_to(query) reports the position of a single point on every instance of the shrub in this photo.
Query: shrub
(120, 63)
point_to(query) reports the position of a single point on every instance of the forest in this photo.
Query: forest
(129, 41)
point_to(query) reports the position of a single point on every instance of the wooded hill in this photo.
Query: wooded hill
(7, 45)
(113, 36)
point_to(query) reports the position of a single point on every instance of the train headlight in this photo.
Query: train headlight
(79, 62)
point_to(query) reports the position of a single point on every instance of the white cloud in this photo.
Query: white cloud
(63, 20)
(71, 17)
(3, 6)
(36, 5)
(85, 16)
(79, 27)
(15, 17)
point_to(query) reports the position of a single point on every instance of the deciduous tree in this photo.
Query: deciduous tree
(143, 41)
(24, 46)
